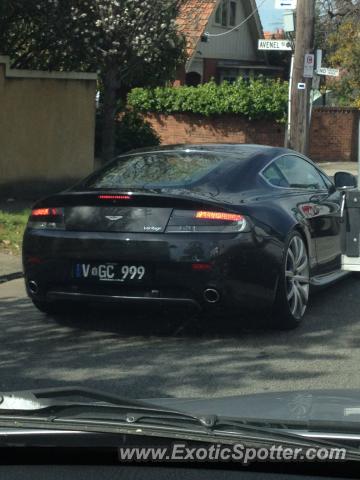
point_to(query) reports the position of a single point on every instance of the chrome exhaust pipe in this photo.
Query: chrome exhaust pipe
(33, 287)
(211, 295)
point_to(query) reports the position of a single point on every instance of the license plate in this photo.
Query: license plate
(110, 272)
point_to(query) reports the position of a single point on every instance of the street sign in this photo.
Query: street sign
(285, 4)
(289, 22)
(319, 55)
(301, 86)
(329, 72)
(309, 65)
(274, 45)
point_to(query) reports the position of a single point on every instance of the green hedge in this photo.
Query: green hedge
(132, 131)
(254, 99)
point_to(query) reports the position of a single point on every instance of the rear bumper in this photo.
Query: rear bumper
(244, 268)
(54, 295)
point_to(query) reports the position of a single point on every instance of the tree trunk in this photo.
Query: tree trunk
(108, 115)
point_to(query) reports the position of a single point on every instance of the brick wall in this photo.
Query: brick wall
(334, 134)
(184, 128)
(334, 131)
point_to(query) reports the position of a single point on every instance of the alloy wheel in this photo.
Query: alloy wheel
(297, 277)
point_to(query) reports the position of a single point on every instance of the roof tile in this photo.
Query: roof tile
(192, 20)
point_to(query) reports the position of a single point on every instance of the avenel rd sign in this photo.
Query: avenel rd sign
(274, 45)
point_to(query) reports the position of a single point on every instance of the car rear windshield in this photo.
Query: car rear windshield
(163, 170)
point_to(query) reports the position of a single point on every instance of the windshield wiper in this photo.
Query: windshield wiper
(87, 403)
(78, 408)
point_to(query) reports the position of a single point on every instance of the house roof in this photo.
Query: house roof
(194, 16)
(192, 20)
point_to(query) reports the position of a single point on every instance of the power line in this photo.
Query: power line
(237, 26)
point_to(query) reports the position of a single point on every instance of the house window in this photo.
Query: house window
(218, 14)
(228, 74)
(225, 14)
(232, 15)
(232, 74)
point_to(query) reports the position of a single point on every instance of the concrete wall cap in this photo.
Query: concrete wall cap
(39, 74)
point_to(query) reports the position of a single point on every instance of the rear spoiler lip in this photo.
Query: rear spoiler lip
(58, 200)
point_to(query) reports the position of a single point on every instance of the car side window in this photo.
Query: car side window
(327, 181)
(274, 176)
(299, 173)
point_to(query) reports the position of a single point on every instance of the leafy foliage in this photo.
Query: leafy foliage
(345, 54)
(134, 132)
(131, 131)
(136, 35)
(128, 42)
(12, 226)
(338, 34)
(254, 99)
(336, 11)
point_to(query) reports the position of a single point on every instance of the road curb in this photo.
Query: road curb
(11, 276)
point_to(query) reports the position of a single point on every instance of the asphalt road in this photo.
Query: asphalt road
(150, 356)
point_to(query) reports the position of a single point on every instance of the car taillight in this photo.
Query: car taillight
(47, 218)
(45, 212)
(226, 217)
(114, 197)
(204, 221)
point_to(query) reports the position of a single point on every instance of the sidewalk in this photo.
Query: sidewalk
(10, 267)
(332, 167)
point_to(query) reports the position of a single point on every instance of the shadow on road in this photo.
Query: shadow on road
(143, 355)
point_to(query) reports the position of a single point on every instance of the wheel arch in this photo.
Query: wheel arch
(280, 223)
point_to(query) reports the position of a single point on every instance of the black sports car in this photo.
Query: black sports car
(211, 227)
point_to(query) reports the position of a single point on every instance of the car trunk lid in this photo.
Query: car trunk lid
(123, 212)
(117, 218)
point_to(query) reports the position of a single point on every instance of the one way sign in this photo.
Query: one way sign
(285, 4)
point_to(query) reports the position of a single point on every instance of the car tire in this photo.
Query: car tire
(294, 283)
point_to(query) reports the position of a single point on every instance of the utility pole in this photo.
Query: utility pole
(300, 98)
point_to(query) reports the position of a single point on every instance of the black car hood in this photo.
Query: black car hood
(312, 405)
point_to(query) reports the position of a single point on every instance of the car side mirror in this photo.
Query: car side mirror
(344, 180)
